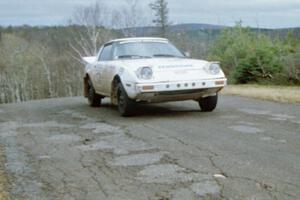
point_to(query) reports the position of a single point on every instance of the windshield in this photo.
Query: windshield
(135, 50)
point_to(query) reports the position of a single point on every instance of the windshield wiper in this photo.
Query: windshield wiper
(133, 56)
(164, 55)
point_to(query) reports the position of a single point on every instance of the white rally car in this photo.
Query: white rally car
(134, 70)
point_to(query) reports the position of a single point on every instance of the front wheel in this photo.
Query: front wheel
(94, 99)
(126, 105)
(208, 104)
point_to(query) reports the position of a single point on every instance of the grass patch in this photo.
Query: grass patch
(284, 94)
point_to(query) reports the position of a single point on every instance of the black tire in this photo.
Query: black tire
(126, 106)
(94, 99)
(208, 104)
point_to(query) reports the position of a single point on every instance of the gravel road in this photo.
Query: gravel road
(62, 149)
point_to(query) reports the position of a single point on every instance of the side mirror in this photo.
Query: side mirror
(187, 54)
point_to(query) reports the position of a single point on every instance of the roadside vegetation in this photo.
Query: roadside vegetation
(44, 62)
(3, 177)
(251, 57)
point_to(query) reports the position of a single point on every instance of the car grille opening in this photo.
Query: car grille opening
(178, 92)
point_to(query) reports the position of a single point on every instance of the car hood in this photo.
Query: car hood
(172, 69)
(160, 63)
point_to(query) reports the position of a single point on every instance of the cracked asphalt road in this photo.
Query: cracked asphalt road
(63, 149)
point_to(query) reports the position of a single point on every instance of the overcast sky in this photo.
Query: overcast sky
(262, 13)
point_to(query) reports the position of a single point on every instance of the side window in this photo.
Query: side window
(106, 53)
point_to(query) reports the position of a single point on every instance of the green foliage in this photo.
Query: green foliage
(248, 57)
(292, 66)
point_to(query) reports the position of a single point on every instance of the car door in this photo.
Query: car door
(100, 79)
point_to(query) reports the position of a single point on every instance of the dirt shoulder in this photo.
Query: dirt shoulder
(284, 94)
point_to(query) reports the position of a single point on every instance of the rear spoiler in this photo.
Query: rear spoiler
(89, 60)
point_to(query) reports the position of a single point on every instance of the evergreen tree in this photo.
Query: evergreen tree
(161, 13)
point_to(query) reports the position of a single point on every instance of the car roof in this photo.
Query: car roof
(137, 39)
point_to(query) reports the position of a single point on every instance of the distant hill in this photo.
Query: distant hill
(150, 30)
(193, 28)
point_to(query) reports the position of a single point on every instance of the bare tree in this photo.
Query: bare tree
(88, 29)
(42, 56)
(129, 17)
(16, 75)
(161, 13)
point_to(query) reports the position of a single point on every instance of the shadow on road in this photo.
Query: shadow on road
(154, 110)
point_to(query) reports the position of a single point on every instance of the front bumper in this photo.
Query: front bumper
(176, 91)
